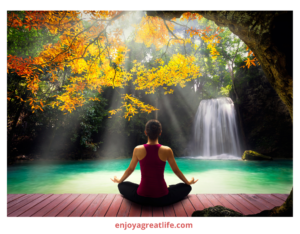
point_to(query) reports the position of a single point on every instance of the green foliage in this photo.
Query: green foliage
(266, 121)
(90, 118)
(88, 128)
(224, 91)
(24, 43)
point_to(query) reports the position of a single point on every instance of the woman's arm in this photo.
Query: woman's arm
(129, 170)
(175, 168)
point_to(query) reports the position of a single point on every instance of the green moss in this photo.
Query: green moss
(252, 155)
(216, 211)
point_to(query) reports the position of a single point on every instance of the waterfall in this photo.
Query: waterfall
(216, 133)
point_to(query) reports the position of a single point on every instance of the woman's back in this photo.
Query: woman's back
(152, 156)
(152, 171)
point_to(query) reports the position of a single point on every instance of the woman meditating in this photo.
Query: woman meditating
(153, 189)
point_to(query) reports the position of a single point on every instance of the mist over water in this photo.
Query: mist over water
(215, 157)
(215, 130)
(215, 176)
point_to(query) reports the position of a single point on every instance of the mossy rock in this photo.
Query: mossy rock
(252, 155)
(216, 211)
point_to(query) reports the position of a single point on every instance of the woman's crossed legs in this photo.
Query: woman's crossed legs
(176, 193)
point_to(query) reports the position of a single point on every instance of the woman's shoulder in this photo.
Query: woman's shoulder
(165, 148)
(162, 147)
(139, 147)
(165, 152)
(139, 152)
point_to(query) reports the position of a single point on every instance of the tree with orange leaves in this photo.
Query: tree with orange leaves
(76, 59)
(89, 54)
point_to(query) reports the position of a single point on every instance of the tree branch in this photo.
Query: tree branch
(109, 22)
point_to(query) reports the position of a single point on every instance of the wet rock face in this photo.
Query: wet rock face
(269, 34)
(265, 118)
(252, 155)
(216, 211)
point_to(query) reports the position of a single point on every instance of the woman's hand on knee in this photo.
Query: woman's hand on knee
(192, 181)
(115, 180)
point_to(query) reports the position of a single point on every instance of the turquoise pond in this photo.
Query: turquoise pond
(215, 176)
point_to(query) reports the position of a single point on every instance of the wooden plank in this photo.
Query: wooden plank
(179, 210)
(90, 211)
(246, 203)
(135, 210)
(12, 197)
(61, 206)
(23, 203)
(112, 205)
(51, 205)
(213, 200)
(125, 208)
(281, 196)
(20, 199)
(206, 203)
(226, 203)
(146, 211)
(196, 202)
(9, 197)
(39, 206)
(188, 207)
(23, 209)
(271, 199)
(83, 206)
(72, 206)
(169, 211)
(256, 201)
(102, 209)
(244, 210)
(157, 211)
(115, 206)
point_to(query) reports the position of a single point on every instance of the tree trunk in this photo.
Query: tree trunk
(269, 34)
(237, 105)
(156, 106)
(232, 79)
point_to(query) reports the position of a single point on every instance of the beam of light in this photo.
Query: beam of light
(176, 126)
(188, 102)
(112, 143)
(55, 142)
(127, 25)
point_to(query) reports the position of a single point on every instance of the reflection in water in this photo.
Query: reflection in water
(215, 176)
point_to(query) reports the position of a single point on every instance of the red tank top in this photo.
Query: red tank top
(152, 167)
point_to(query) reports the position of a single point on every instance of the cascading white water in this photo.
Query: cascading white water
(215, 130)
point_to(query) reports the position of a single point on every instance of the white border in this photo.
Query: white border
(102, 225)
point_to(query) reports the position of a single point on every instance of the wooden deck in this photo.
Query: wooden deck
(114, 205)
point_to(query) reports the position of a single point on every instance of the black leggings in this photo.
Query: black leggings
(176, 193)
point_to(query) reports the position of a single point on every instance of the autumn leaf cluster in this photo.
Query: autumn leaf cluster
(94, 57)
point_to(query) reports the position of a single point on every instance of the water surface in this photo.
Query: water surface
(215, 176)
